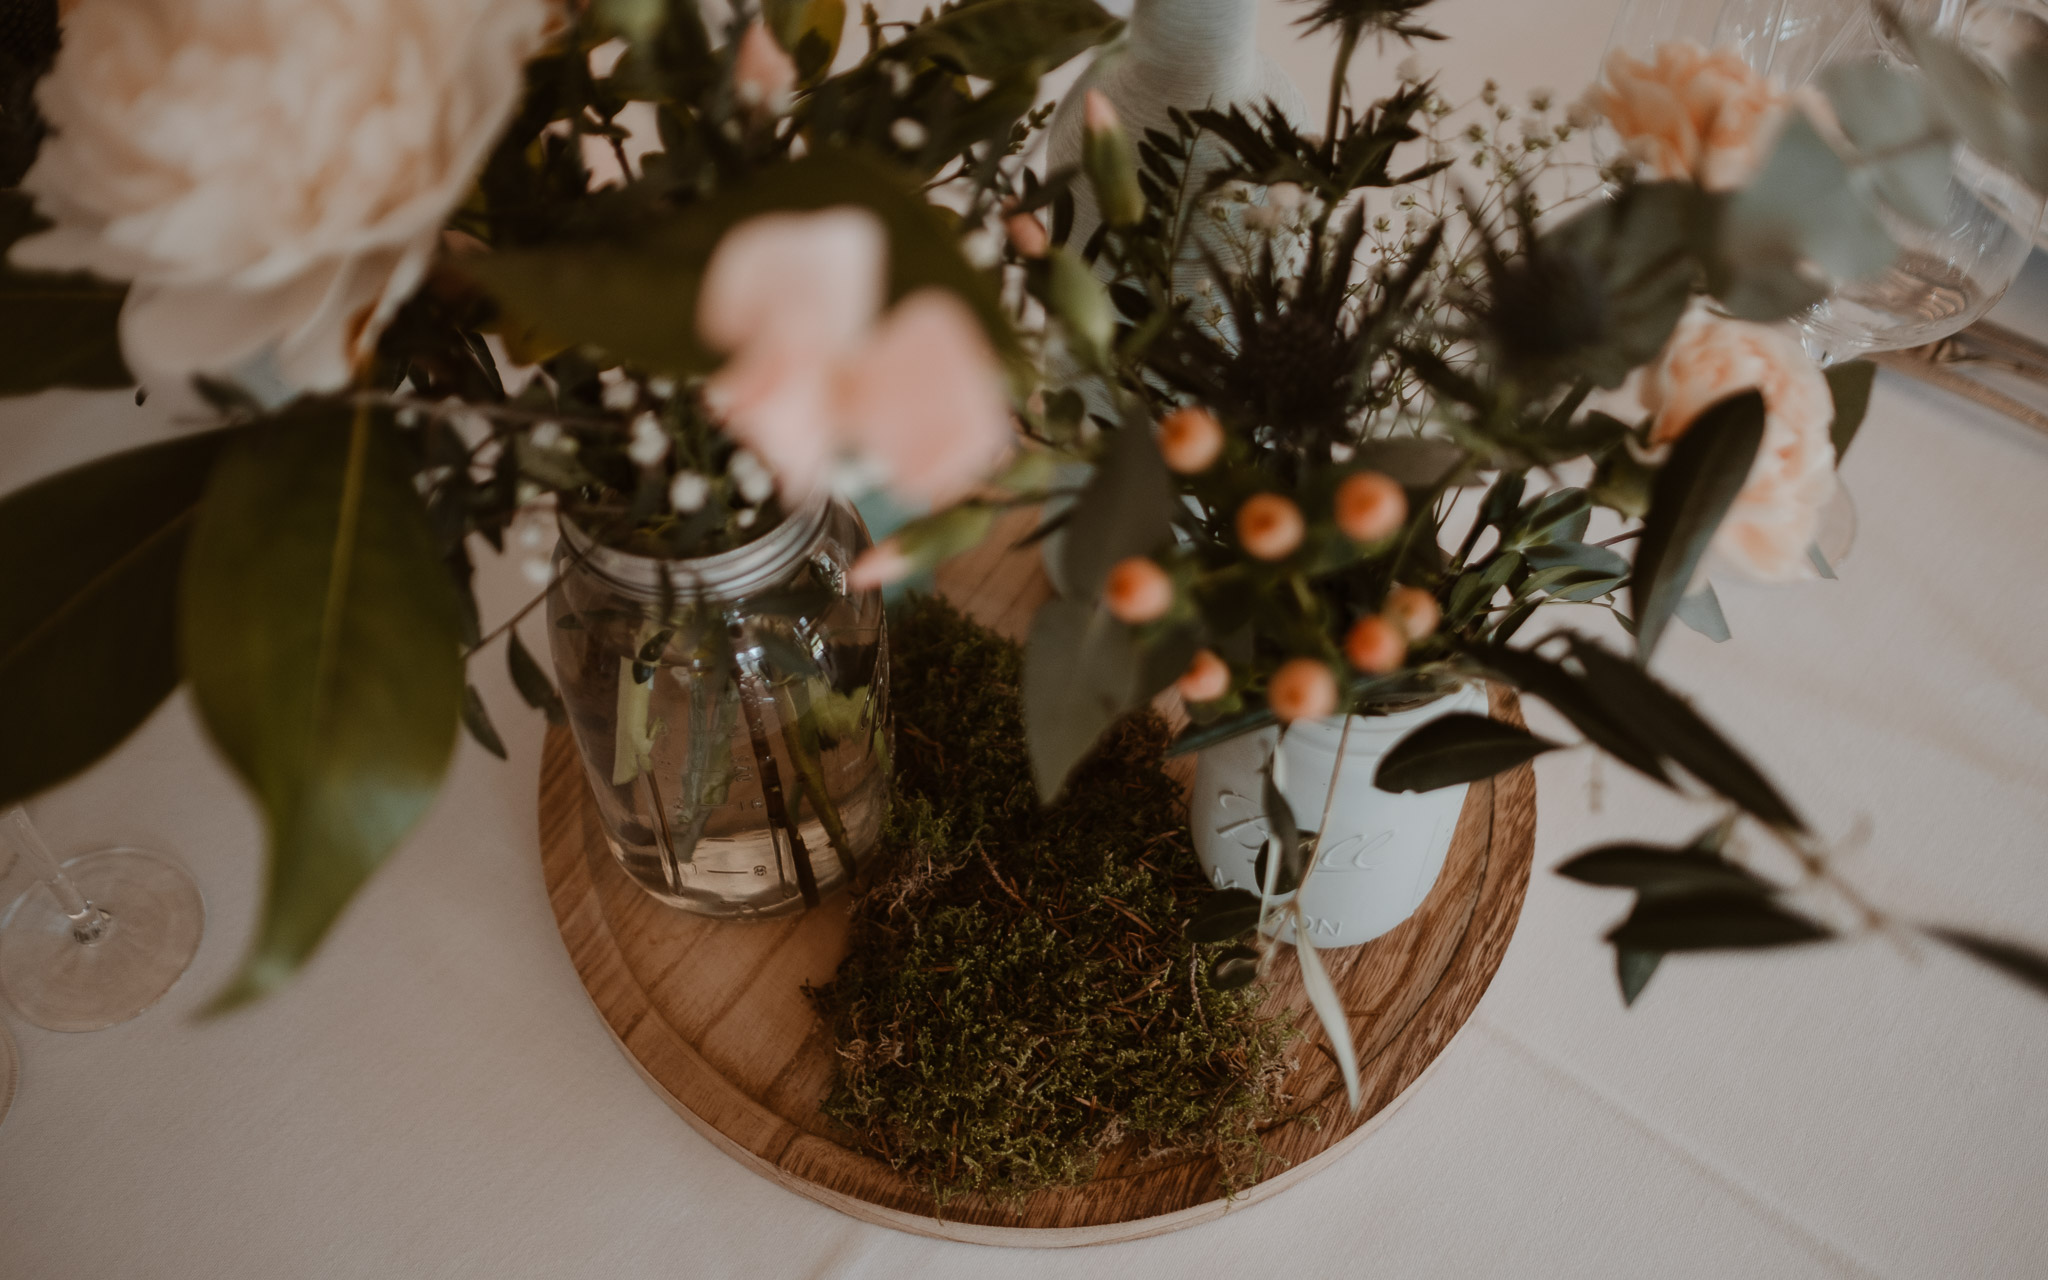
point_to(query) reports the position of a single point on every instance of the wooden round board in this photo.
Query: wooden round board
(715, 1017)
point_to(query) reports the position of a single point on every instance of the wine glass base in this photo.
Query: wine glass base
(155, 918)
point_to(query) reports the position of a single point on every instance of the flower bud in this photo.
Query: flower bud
(1370, 507)
(1190, 440)
(1082, 304)
(1375, 646)
(1137, 590)
(1111, 162)
(1413, 611)
(763, 76)
(1269, 526)
(1027, 234)
(1302, 689)
(1206, 679)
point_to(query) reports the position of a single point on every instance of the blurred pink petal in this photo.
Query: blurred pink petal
(879, 566)
(925, 399)
(762, 75)
(775, 398)
(810, 280)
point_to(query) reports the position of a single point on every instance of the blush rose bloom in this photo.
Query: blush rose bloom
(1688, 113)
(269, 176)
(818, 380)
(1775, 518)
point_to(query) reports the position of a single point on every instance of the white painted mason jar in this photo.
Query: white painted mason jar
(1383, 851)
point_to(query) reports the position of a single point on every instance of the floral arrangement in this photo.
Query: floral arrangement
(442, 268)
(436, 266)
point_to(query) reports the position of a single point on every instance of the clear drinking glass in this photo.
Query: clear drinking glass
(100, 938)
(731, 711)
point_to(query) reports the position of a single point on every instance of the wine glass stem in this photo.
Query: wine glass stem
(88, 923)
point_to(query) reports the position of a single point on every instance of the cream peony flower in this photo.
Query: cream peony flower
(1688, 113)
(271, 176)
(1775, 518)
(814, 383)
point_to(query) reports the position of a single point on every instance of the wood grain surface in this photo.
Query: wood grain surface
(714, 1014)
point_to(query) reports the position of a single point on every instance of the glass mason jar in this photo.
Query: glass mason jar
(731, 711)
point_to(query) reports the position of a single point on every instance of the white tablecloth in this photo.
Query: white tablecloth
(435, 1097)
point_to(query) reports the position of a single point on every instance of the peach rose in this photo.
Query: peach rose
(1769, 530)
(1688, 113)
(270, 177)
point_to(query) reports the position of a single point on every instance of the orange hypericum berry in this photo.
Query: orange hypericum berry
(1302, 689)
(1027, 233)
(1370, 506)
(1206, 679)
(1375, 646)
(1138, 590)
(1190, 440)
(1269, 526)
(1413, 611)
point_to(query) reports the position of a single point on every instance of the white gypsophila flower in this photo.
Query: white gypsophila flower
(546, 435)
(621, 395)
(746, 518)
(661, 388)
(688, 492)
(899, 78)
(981, 247)
(751, 476)
(1341, 453)
(908, 133)
(270, 177)
(649, 443)
(537, 570)
(1410, 70)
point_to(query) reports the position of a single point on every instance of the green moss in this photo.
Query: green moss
(1019, 998)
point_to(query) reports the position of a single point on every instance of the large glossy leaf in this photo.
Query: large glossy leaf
(2024, 963)
(321, 636)
(88, 605)
(1633, 697)
(1661, 872)
(1692, 492)
(997, 39)
(1224, 915)
(1080, 674)
(1456, 748)
(1703, 923)
(1572, 699)
(57, 330)
(638, 300)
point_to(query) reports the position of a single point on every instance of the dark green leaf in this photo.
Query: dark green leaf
(1701, 611)
(1633, 968)
(1202, 737)
(88, 634)
(2024, 963)
(1080, 674)
(1223, 916)
(321, 635)
(1456, 748)
(1850, 384)
(1283, 832)
(58, 329)
(1712, 924)
(996, 39)
(1572, 699)
(1125, 510)
(1693, 491)
(1656, 715)
(1661, 872)
(532, 682)
(477, 719)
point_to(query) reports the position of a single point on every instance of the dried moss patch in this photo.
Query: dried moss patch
(1019, 998)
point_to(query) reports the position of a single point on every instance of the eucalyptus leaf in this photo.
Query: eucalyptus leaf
(1662, 872)
(321, 635)
(1887, 116)
(1656, 715)
(1080, 674)
(1456, 748)
(1804, 211)
(1850, 384)
(1693, 491)
(1633, 968)
(1700, 923)
(1701, 610)
(532, 681)
(1328, 1006)
(1571, 698)
(2024, 963)
(89, 573)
